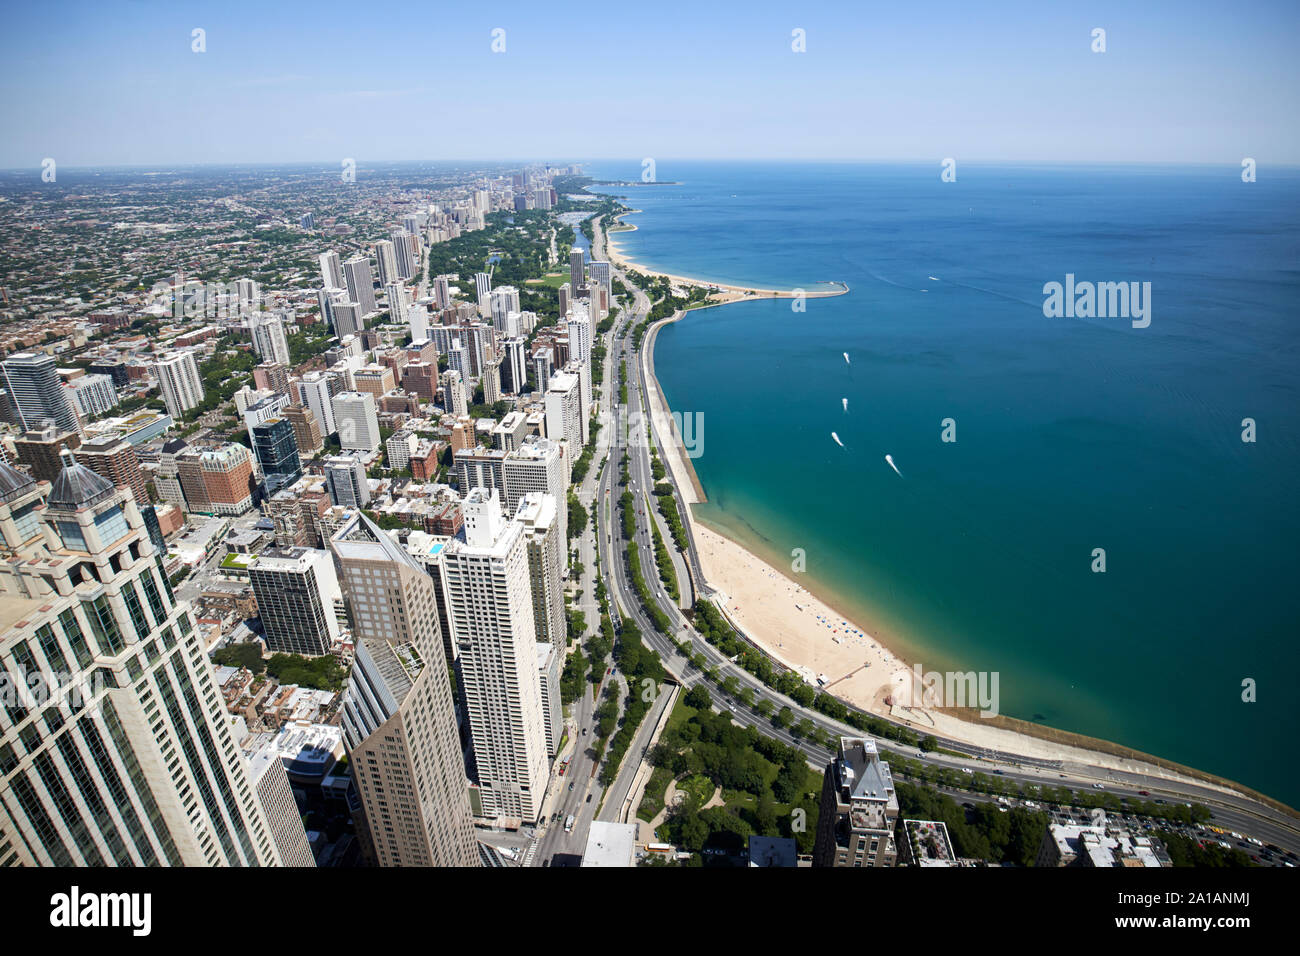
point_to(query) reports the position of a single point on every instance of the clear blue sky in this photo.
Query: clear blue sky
(98, 83)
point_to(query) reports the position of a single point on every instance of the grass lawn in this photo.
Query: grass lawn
(552, 280)
(699, 789)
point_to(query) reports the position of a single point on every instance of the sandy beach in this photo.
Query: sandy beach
(723, 293)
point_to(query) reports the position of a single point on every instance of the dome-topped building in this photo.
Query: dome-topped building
(76, 486)
(14, 483)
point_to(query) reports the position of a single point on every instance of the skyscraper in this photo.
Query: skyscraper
(514, 366)
(298, 599)
(489, 603)
(331, 271)
(327, 298)
(483, 286)
(539, 514)
(268, 338)
(113, 457)
(349, 318)
(179, 382)
(577, 278)
(859, 809)
(128, 758)
(93, 395)
(38, 394)
(306, 429)
(564, 419)
(345, 477)
(318, 390)
(537, 465)
(358, 424)
(360, 283)
(398, 719)
(276, 450)
(387, 259)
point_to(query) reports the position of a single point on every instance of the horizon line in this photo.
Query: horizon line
(659, 160)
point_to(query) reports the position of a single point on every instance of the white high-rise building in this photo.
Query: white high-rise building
(454, 401)
(179, 382)
(565, 421)
(317, 390)
(331, 270)
(358, 424)
(483, 286)
(458, 358)
(441, 292)
(268, 338)
(326, 299)
(93, 395)
(387, 259)
(396, 295)
(540, 515)
(504, 300)
(360, 283)
(489, 603)
(538, 466)
(417, 317)
(268, 406)
(128, 757)
(406, 248)
(580, 336)
(37, 395)
(514, 365)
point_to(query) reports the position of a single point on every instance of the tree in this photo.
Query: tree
(694, 832)
(698, 698)
(247, 654)
(765, 815)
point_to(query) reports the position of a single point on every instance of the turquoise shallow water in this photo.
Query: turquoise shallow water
(1072, 434)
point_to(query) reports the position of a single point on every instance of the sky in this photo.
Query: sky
(280, 81)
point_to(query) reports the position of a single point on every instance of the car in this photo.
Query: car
(589, 798)
(570, 784)
(1097, 786)
(1143, 793)
(584, 731)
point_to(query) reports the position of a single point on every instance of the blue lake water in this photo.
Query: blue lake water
(1072, 433)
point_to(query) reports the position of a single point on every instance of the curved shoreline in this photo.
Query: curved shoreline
(1001, 732)
(722, 289)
